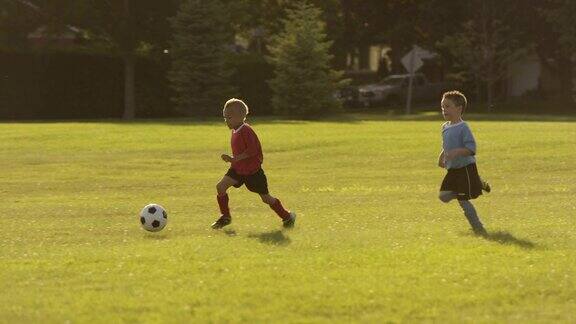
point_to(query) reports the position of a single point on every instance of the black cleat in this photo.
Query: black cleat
(221, 222)
(289, 223)
(486, 186)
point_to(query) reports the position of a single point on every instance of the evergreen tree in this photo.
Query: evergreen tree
(304, 83)
(200, 74)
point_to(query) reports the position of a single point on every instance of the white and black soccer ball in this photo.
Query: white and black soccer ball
(153, 217)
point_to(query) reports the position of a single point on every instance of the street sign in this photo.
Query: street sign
(412, 62)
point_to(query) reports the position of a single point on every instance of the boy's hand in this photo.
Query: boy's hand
(227, 158)
(442, 163)
(442, 160)
(450, 155)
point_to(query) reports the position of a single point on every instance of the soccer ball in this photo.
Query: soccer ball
(153, 217)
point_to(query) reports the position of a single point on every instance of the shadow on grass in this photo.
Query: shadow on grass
(272, 238)
(229, 232)
(156, 236)
(507, 238)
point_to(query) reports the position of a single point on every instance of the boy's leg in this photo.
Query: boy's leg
(222, 198)
(288, 218)
(472, 216)
(276, 205)
(447, 196)
(259, 184)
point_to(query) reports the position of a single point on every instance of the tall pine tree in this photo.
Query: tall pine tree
(200, 74)
(304, 83)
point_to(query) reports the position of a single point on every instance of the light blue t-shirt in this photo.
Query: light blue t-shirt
(458, 135)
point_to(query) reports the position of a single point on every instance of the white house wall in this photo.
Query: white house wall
(523, 76)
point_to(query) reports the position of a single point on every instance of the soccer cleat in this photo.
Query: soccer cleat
(289, 223)
(221, 222)
(486, 186)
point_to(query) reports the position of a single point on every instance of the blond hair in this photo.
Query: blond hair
(237, 104)
(458, 98)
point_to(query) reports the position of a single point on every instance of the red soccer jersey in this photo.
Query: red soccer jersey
(244, 139)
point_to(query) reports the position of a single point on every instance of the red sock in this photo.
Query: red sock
(279, 209)
(223, 204)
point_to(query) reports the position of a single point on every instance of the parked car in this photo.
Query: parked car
(393, 90)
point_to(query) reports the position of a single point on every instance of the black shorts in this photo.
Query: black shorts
(465, 182)
(256, 182)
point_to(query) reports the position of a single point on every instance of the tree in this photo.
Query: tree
(17, 19)
(547, 27)
(396, 23)
(485, 43)
(555, 39)
(304, 83)
(125, 28)
(256, 20)
(200, 75)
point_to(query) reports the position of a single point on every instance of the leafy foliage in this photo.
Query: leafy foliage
(200, 74)
(304, 82)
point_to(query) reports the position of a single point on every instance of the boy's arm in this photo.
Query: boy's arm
(228, 158)
(251, 141)
(242, 156)
(469, 141)
(462, 151)
(469, 145)
(441, 158)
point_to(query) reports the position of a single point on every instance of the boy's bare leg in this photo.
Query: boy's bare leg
(224, 184)
(446, 196)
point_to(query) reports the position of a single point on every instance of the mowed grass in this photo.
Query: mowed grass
(372, 242)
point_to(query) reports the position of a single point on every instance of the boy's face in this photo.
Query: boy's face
(233, 117)
(449, 110)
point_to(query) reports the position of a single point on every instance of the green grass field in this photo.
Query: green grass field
(372, 243)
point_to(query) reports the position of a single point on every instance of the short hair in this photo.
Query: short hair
(458, 98)
(237, 104)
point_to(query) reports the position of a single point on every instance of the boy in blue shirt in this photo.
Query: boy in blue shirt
(462, 181)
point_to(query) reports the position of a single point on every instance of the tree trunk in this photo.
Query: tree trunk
(364, 60)
(565, 76)
(129, 66)
(490, 85)
(478, 88)
(489, 95)
(129, 96)
(562, 68)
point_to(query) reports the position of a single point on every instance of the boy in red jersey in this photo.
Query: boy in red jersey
(246, 167)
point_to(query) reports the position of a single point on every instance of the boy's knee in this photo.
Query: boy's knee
(445, 197)
(221, 188)
(267, 199)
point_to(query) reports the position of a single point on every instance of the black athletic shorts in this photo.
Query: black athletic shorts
(465, 182)
(256, 182)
